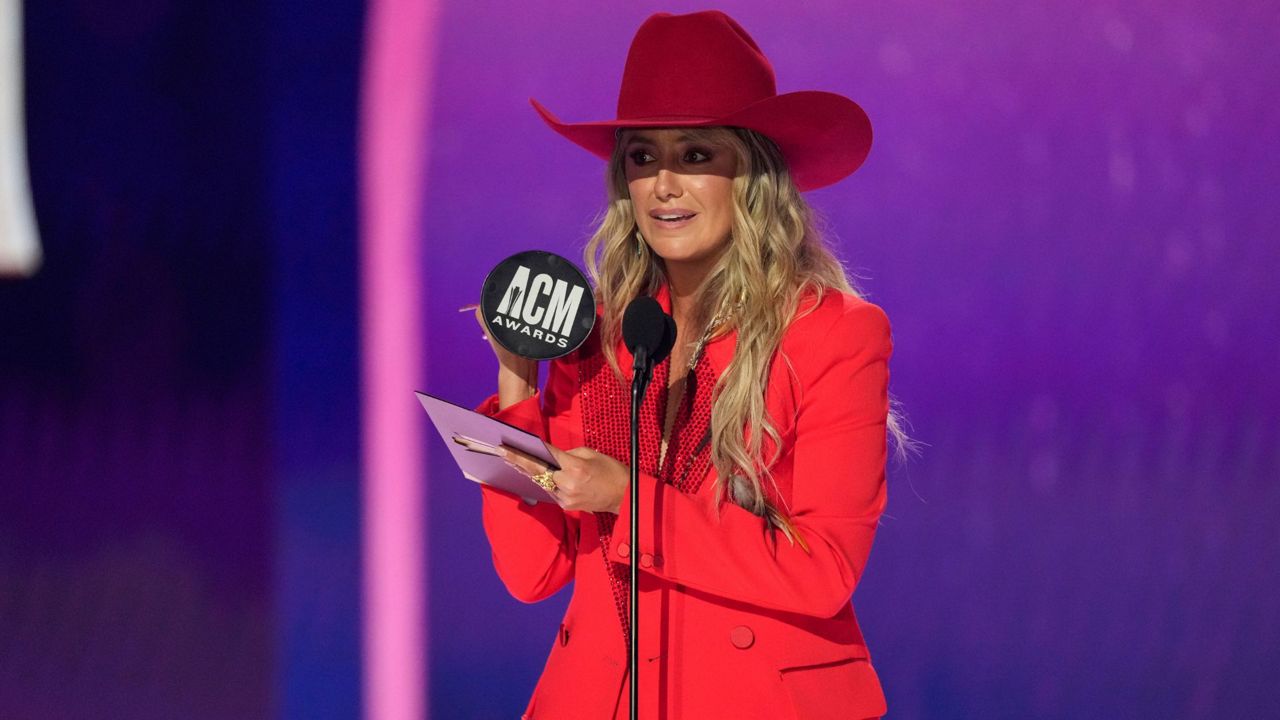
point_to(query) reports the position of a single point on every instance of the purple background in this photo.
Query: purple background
(1068, 214)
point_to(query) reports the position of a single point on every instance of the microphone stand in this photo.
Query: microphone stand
(642, 373)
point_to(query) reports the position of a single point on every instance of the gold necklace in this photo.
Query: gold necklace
(716, 321)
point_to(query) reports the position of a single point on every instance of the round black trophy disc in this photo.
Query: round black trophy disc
(538, 305)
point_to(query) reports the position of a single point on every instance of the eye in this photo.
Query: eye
(696, 156)
(640, 157)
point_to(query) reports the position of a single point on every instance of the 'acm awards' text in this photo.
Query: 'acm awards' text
(544, 309)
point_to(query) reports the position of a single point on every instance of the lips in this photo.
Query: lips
(672, 215)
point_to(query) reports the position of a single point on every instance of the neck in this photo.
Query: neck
(684, 281)
(685, 289)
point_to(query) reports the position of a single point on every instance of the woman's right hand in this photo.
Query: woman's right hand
(517, 376)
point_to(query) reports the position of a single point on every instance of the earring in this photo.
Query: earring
(640, 244)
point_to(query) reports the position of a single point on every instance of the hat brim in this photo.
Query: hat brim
(824, 137)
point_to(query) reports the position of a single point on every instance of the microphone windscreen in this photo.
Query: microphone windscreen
(668, 339)
(643, 325)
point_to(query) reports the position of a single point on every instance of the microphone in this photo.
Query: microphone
(538, 305)
(649, 334)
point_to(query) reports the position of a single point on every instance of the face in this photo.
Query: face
(682, 194)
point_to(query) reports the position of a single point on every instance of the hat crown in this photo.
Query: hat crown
(700, 65)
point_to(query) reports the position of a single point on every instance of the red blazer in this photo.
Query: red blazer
(733, 624)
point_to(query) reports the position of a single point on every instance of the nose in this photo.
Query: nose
(667, 184)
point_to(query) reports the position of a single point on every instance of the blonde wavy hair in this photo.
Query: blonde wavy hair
(776, 256)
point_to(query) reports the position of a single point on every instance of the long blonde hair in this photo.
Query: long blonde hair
(775, 257)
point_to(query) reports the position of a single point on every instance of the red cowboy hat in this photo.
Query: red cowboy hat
(703, 69)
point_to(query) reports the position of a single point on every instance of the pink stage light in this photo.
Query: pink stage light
(394, 147)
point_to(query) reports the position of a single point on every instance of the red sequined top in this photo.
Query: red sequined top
(735, 621)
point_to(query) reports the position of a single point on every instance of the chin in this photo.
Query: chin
(680, 251)
(676, 255)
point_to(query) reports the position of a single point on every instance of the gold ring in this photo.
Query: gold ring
(544, 480)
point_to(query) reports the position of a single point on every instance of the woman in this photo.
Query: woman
(763, 441)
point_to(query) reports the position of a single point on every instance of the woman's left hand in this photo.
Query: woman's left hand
(587, 480)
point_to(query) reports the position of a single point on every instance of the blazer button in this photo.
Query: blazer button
(646, 560)
(624, 550)
(742, 637)
(564, 634)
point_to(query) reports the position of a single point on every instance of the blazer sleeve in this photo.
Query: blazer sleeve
(533, 546)
(836, 472)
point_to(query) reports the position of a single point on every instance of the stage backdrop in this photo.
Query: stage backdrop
(179, 447)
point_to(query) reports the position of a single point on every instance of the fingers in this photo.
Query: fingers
(557, 455)
(564, 459)
(522, 461)
(529, 466)
(560, 456)
(525, 369)
(585, 480)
